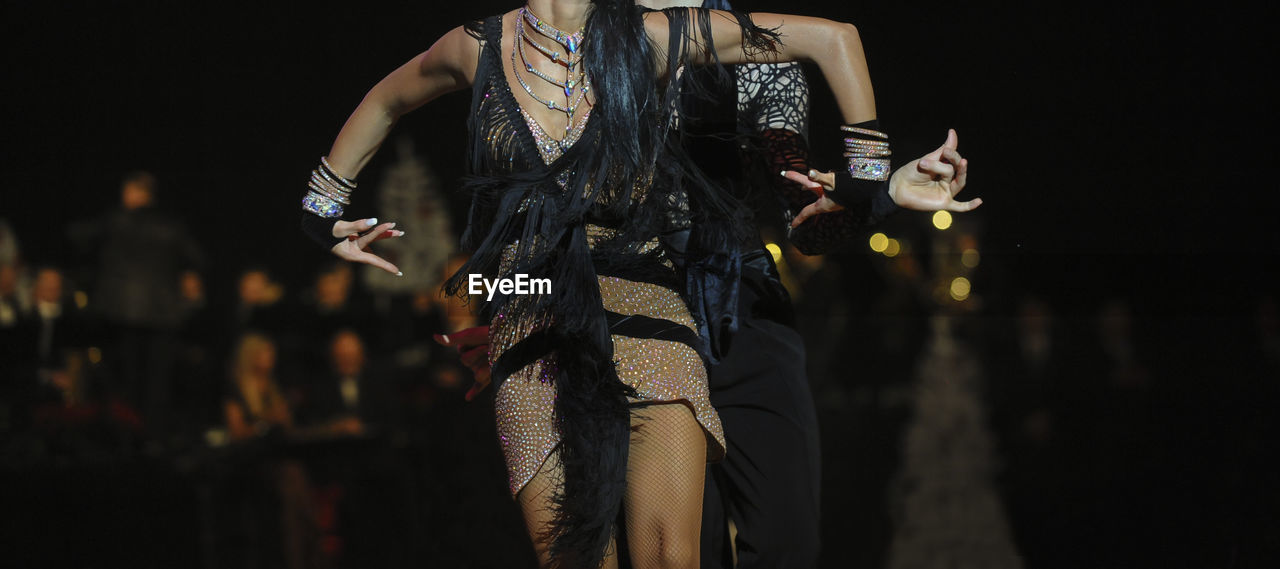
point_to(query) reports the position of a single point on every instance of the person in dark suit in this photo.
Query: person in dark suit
(351, 399)
(141, 254)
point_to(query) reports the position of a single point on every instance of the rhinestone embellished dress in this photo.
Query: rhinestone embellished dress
(652, 331)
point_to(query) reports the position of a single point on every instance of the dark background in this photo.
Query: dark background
(1122, 141)
(1122, 150)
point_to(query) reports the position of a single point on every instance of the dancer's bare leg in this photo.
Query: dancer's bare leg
(663, 502)
(536, 503)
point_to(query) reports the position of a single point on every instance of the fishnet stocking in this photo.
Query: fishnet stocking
(663, 502)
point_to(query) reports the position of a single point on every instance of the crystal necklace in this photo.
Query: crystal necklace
(575, 86)
(572, 41)
(567, 85)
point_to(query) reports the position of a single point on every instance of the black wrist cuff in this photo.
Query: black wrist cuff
(852, 192)
(320, 230)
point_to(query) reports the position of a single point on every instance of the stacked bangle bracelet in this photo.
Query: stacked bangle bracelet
(868, 153)
(327, 192)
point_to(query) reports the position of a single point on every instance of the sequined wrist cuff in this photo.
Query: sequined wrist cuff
(321, 205)
(876, 169)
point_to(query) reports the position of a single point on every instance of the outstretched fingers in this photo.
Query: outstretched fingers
(371, 259)
(953, 140)
(961, 207)
(808, 211)
(464, 339)
(806, 181)
(353, 228)
(380, 232)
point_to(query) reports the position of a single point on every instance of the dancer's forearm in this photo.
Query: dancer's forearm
(447, 66)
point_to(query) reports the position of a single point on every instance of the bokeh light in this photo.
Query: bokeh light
(775, 251)
(960, 288)
(970, 258)
(879, 242)
(942, 219)
(892, 248)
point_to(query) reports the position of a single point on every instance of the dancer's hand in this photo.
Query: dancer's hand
(819, 183)
(359, 234)
(931, 182)
(473, 347)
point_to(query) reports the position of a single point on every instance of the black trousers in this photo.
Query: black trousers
(768, 482)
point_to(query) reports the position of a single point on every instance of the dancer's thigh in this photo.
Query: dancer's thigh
(665, 468)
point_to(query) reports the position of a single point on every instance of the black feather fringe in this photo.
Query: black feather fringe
(629, 170)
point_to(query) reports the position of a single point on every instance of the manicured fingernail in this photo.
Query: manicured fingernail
(399, 234)
(372, 221)
(813, 173)
(392, 226)
(399, 273)
(444, 338)
(784, 173)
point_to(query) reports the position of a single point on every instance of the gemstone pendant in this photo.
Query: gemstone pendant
(572, 44)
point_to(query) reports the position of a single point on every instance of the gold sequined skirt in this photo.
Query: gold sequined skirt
(660, 371)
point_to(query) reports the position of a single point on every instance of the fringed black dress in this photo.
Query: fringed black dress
(640, 251)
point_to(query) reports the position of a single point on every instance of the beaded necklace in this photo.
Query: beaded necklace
(572, 41)
(576, 84)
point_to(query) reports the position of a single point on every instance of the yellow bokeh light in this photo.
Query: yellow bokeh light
(942, 219)
(95, 355)
(774, 251)
(960, 288)
(879, 242)
(82, 299)
(892, 248)
(970, 258)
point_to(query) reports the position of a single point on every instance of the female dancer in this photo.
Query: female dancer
(577, 180)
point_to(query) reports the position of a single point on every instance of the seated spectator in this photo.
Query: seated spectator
(350, 399)
(255, 408)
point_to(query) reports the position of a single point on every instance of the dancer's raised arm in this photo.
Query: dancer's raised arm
(449, 65)
(928, 183)
(835, 47)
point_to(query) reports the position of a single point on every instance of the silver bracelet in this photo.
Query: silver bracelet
(865, 131)
(327, 192)
(319, 180)
(321, 205)
(324, 163)
(876, 169)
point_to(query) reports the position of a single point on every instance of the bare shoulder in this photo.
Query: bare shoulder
(456, 53)
(657, 25)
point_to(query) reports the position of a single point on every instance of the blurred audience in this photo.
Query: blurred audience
(140, 255)
(349, 399)
(256, 408)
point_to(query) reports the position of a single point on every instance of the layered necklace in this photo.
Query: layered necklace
(566, 52)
